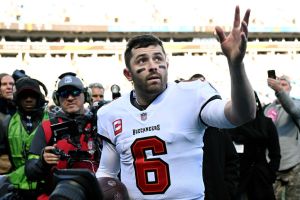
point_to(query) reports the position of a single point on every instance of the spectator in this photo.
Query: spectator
(255, 140)
(73, 144)
(7, 107)
(18, 131)
(220, 165)
(155, 132)
(97, 92)
(6, 95)
(220, 162)
(285, 113)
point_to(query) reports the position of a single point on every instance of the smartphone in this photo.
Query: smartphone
(272, 74)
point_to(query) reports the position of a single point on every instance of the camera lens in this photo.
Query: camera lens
(68, 190)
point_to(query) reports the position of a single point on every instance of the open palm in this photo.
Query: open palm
(234, 45)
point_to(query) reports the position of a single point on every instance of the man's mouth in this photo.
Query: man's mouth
(29, 106)
(153, 77)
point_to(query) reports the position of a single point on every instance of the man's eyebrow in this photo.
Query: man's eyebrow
(158, 53)
(141, 55)
(144, 54)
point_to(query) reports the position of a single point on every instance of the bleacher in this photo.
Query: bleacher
(47, 38)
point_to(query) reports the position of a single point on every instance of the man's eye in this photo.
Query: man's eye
(141, 61)
(158, 59)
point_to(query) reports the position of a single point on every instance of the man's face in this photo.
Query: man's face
(97, 94)
(149, 70)
(7, 87)
(28, 100)
(71, 100)
(285, 85)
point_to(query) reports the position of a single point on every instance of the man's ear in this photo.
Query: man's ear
(127, 74)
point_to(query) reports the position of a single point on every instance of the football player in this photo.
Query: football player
(154, 135)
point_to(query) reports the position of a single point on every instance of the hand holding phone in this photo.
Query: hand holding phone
(271, 74)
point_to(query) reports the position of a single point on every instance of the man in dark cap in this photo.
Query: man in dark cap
(18, 131)
(68, 139)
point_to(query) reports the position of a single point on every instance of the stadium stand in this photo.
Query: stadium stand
(89, 36)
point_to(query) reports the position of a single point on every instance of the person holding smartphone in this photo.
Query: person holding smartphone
(285, 113)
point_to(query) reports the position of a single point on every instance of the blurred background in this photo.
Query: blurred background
(48, 37)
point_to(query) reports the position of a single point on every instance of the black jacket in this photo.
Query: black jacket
(7, 107)
(257, 173)
(220, 165)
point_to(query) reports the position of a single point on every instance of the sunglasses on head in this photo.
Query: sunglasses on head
(67, 93)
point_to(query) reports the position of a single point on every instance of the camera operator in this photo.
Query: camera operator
(74, 144)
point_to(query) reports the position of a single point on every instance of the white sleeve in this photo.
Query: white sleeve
(109, 162)
(213, 114)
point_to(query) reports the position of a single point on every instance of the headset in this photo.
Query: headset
(86, 91)
(42, 102)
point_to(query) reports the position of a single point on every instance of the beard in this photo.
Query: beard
(153, 84)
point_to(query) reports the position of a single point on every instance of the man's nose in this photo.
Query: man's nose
(70, 97)
(10, 87)
(153, 66)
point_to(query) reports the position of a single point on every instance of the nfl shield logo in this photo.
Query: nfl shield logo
(143, 116)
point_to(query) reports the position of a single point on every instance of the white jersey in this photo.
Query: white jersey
(158, 149)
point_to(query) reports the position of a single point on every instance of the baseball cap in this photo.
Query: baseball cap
(70, 79)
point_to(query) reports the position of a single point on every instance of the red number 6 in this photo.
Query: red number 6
(144, 166)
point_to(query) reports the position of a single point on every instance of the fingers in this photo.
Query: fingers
(274, 84)
(244, 36)
(244, 28)
(49, 157)
(243, 45)
(220, 33)
(247, 16)
(48, 149)
(236, 22)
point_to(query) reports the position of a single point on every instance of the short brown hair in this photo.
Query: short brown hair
(140, 41)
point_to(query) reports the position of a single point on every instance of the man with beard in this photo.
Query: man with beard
(154, 135)
(74, 145)
(18, 131)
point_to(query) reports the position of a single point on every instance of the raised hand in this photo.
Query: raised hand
(274, 84)
(234, 45)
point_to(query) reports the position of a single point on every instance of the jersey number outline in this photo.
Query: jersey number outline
(144, 166)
